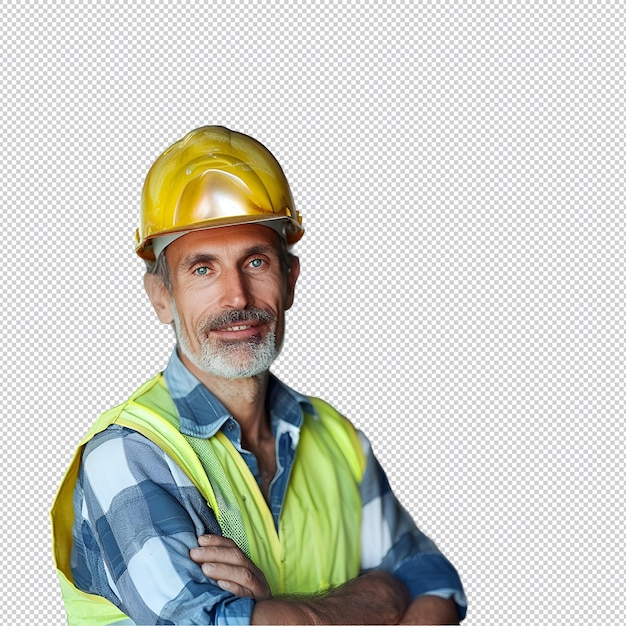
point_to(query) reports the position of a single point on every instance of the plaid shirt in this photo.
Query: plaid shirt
(137, 515)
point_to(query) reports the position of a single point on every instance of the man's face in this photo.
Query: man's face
(229, 296)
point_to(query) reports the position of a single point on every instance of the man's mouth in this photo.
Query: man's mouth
(239, 321)
(239, 332)
(230, 329)
(237, 326)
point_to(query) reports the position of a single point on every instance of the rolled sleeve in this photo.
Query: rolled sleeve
(433, 575)
(390, 540)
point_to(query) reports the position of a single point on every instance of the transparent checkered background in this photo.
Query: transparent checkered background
(460, 170)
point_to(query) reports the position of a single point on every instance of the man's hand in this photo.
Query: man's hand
(222, 561)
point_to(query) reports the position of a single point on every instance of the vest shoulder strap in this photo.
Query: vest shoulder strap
(342, 431)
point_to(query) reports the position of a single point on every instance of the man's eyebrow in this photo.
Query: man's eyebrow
(194, 259)
(260, 249)
(205, 257)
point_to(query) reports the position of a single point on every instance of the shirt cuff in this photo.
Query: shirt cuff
(433, 574)
(235, 611)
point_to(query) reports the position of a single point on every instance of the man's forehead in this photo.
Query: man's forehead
(225, 239)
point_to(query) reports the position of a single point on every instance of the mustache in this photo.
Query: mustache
(215, 322)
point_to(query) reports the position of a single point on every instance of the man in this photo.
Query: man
(216, 494)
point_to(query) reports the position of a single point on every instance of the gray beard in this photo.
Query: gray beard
(229, 360)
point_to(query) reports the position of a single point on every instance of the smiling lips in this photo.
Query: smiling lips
(239, 325)
(239, 331)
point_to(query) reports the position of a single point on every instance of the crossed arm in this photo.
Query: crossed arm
(373, 598)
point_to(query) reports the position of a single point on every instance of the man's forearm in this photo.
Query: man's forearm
(374, 598)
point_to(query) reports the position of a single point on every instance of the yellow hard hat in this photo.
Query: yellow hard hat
(213, 177)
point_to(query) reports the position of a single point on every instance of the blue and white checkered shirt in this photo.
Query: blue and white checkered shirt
(137, 515)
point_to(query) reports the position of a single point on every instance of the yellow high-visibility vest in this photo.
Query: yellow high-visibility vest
(318, 543)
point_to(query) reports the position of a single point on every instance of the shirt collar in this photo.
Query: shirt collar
(201, 414)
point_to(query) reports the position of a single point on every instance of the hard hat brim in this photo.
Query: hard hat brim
(284, 226)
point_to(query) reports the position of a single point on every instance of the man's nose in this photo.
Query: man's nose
(234, 290)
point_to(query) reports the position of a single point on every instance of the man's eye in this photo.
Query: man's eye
(256, 262)
(202, 271)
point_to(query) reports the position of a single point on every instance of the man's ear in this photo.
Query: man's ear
(159, 296)
(292, 278)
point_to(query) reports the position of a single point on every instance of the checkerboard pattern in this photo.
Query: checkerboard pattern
(460, 171)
